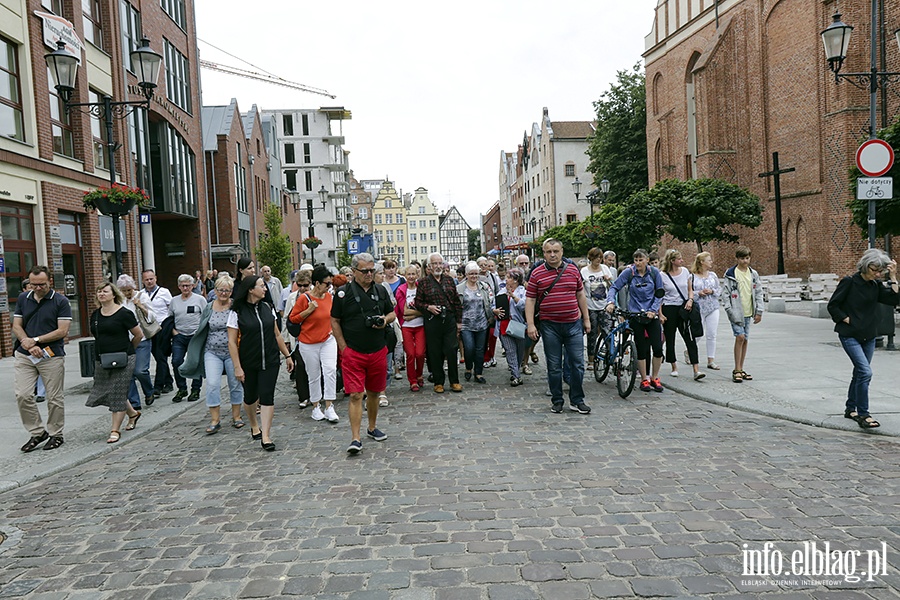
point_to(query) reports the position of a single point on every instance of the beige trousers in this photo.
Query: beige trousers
(53, 372)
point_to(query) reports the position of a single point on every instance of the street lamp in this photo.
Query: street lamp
(591, 197)
(836, 39)
(311, 231)
(63, 67)
(494, 229)
(541, 220)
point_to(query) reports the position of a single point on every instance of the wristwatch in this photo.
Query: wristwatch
(37, 340)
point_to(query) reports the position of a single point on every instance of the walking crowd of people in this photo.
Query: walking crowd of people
(355, 331)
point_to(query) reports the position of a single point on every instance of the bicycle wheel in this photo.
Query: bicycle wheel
(601, 360)
(627, 368)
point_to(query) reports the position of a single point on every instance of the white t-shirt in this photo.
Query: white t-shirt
(672, 297)
(410, 301)
(595, 288)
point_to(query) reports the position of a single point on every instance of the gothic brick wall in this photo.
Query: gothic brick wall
(760, 86)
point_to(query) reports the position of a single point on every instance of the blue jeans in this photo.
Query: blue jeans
(179, 349)
(473, 349)
(141, 374)
(860, 354)
(564, 339)
(214, 366)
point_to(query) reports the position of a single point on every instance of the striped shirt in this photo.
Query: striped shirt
(561, 304)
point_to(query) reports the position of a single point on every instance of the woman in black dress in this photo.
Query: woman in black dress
(110, 326)
(255, 358)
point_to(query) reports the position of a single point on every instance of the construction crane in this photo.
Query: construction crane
(264, 77)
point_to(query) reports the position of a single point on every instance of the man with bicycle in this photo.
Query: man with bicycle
(641, 282)
(556, 292)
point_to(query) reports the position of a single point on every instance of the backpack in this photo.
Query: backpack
(294, 328)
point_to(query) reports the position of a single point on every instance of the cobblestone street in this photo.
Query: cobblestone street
(480, 495)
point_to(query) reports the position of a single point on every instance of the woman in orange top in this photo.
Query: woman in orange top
(318, 347)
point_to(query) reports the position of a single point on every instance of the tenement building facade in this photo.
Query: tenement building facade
(731, 82)
(50, 155)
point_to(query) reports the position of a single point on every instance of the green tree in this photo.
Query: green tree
(274, 249)
(618, 148)
(887, 210)
(474, 243)
(697, 210)
(343, 259)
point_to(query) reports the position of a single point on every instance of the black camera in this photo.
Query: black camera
(443, 311)
(374, 321)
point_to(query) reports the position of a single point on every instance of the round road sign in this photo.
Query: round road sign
(875, 158)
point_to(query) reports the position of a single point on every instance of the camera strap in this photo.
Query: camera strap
(352, 287)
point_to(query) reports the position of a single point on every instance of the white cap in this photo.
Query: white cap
(306, 267)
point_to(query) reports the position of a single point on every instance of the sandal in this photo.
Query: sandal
(534, 357)
(132, 422)
(237, 423)
(746, 376)
(737, 376)
(867, 422)
(114, 436)
(851, 414)
(213, 429)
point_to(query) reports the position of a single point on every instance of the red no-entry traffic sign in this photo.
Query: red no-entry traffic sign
(875, 158)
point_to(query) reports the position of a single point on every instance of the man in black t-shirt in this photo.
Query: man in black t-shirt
(359, 314)
(41, 324)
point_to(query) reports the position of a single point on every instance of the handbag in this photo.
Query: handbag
(148, 323)
(114, 360)
(294, 328)
(516, 329)
(690, 316)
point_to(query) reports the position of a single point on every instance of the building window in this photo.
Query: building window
(412, 237)
(434, 248)
(289, 156)
(290, 180)
(178, 73)
(399, 235)
(56, 6)
(98, 133)
(240, 181)
(131, 30)
(244, 240)
(354, 199)
(422, 224)
(399, 218)
(93, 25)
(60, 123)
(421, 210)
(12, 124)
(571, 218)
(412, 224)
(570, 170)
(307, 176)
(389, 219)
(304, 123)
(424, 249)
(431, 223)
(175, 9)
(287, 123)
(432, 236)
(137, 137)
(378, 219)
(363, 213)
(390, 236)
(307, 157)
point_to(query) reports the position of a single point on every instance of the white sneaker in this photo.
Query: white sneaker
(674, 373)
(330, 415)
(382, 400)
(317, 414)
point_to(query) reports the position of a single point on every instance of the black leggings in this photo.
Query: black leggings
(645, 336)
(674, 323)
(260, 385)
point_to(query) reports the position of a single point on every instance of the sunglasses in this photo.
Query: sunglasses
(366, 271)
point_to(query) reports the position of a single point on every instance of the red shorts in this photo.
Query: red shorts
(364, 372)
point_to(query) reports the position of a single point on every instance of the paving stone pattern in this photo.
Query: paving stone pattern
(481, 495)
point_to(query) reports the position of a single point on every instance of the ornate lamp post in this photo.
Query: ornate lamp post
(836, 39)
(63, 67)
(591, 197)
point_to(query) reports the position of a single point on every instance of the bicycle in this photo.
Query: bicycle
(618, 351)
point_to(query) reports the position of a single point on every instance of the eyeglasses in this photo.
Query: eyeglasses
(302, 285)
(223, 291)
(365, 271)
(186, 285)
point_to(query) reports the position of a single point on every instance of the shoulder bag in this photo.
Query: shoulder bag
(537, 304)
(147, 322)
(294, 328)
(516, 329)
(690, 316)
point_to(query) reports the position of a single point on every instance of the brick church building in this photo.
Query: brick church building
(731, 82)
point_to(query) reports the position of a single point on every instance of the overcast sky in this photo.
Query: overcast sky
(437, 89)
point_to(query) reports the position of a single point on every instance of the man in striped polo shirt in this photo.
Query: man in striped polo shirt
(557, 289)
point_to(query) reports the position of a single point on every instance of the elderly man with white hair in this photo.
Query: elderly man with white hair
(439, 301)
(186, 309)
